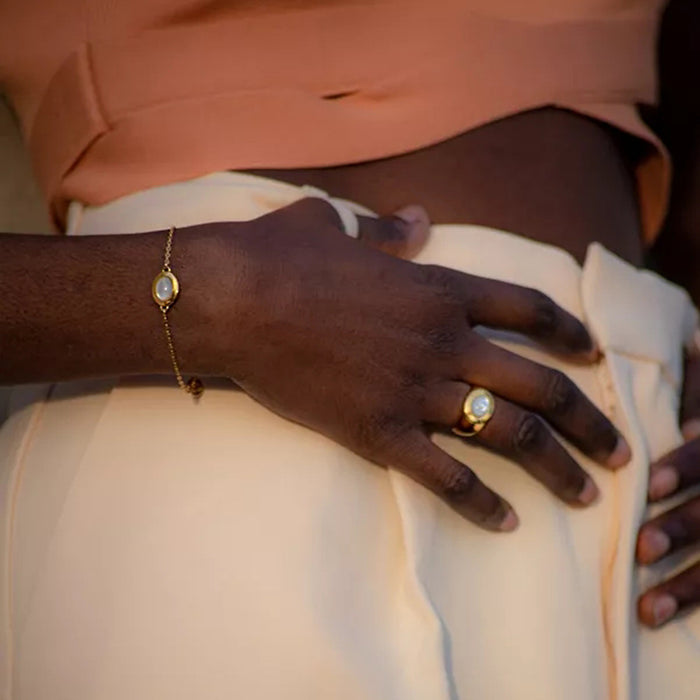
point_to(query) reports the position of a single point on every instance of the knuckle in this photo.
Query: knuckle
(442, 282)
(377, 433)
(411, 383)
(560, 394)
(411, 394)
(458, 486)
(529, 434)
(440, 311)
(545, 319)
(317, 210)
(443, 338)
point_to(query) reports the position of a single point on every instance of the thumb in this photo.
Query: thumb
(402, 234)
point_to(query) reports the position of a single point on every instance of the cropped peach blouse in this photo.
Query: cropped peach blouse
(117, 96)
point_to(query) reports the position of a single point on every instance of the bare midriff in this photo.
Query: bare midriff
(549, 175)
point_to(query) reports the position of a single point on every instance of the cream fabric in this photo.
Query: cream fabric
(154, 548)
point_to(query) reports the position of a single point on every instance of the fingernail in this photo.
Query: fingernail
(663, 481)
(589, 492)
(653, 545)
(664, 608)
(510, 522)
(413, 214)
(691, 429)
(418, 228)
(593, 354)
(620, 455)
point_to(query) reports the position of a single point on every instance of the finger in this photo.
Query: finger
(669, 532)
(402, 235)
(454, 483)
(691, 429)
(523, 437)
(675, 471)
(548, 392)
(690, 400)
(503, 305)
(663, 602)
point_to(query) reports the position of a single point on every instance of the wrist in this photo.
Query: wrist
(208, 260)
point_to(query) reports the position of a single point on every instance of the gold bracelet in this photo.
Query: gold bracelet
(165, 290)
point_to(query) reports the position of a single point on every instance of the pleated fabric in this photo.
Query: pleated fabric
(156, 548)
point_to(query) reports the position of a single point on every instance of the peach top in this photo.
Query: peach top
(117, 96)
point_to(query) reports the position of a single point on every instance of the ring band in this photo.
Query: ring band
(477, 411)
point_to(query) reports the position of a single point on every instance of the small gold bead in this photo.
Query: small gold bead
(195, 387)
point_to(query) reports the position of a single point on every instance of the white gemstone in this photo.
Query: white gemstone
(164, 288)
(481, 406)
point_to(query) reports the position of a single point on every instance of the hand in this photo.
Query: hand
(375, 352)
(678, 529)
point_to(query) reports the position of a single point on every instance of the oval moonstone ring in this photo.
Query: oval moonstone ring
(165, 289)
(477, 411)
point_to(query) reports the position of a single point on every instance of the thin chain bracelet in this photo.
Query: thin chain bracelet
(165, 290)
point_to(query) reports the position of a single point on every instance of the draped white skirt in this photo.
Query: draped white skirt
(153, 548)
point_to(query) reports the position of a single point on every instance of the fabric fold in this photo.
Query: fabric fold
(218, 550)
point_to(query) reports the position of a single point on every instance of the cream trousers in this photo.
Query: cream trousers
(157, 549)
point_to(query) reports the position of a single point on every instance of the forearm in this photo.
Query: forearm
(73, 307)
(677, 251)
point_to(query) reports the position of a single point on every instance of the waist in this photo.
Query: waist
(334, 83)
(550, 175)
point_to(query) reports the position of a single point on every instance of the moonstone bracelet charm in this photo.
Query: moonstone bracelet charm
(165, 290)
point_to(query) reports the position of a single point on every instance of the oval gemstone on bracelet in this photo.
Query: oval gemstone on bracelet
(165, 288)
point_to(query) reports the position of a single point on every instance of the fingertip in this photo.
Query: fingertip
(663, 482)
(590, 352)
(589, 493)
(584, 350)
(657, 609)
(510, 523)
(593, 355)
(652, 544)
(414, 214)
(418, 222)
(621, 455)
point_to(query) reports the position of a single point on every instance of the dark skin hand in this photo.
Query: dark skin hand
(562, 179)
(677, 256)
(677, 529)
(90, 296)
(328, 329)
(324, 328)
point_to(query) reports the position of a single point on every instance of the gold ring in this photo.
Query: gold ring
(477, 411)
